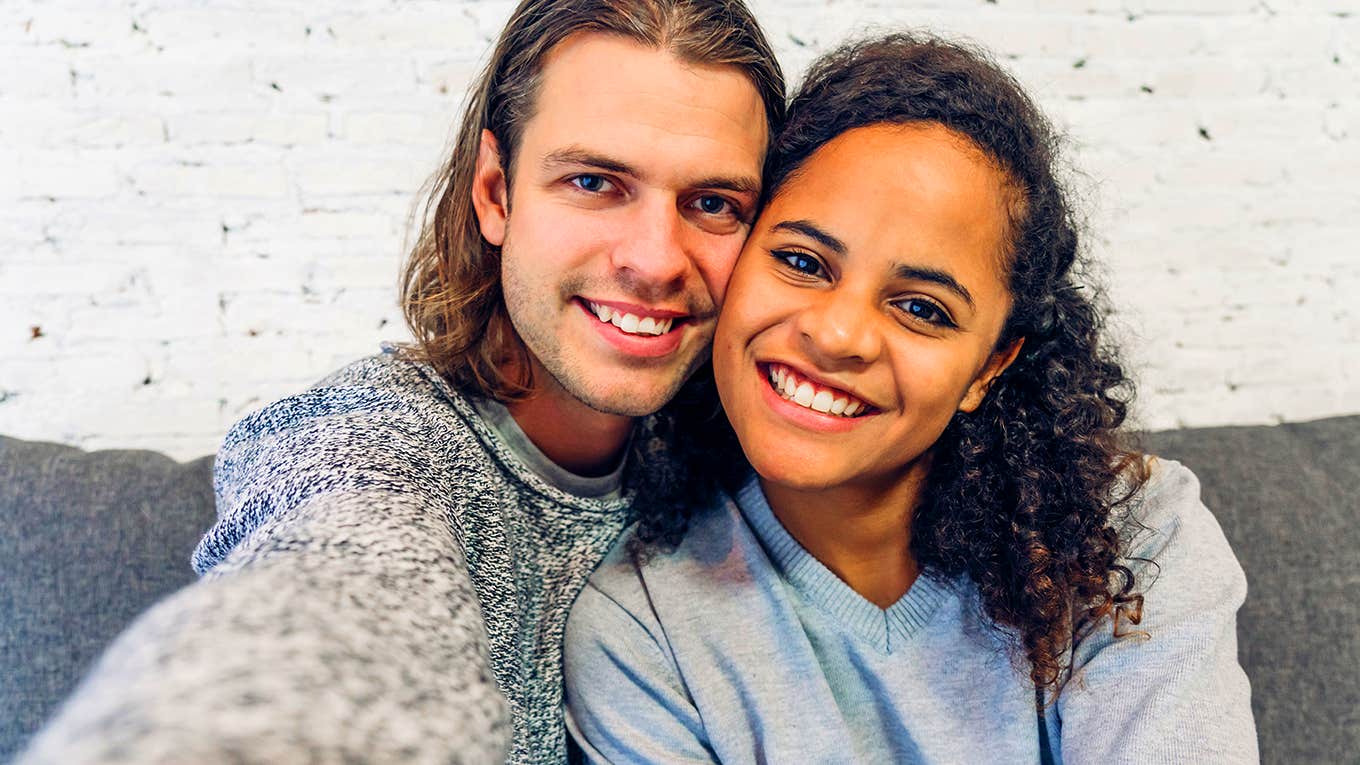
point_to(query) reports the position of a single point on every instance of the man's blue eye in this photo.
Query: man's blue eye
(589, 182)
(712, 205)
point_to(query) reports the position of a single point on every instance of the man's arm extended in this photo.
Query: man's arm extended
(336, 620)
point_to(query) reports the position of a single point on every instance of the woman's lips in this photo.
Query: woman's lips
(804, 415)
(797, 387)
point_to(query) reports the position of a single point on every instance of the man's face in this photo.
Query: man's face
(633, 189)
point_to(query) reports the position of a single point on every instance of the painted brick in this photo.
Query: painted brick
(350, 172)
(67, 173)
(32, 74)
(335, 76)
(49, 125)
(184, 178)
(253, 29)
(424, 130)
(203, 206)
(217, 128)
(404, 30)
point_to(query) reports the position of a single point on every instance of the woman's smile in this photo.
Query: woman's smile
(808, 403)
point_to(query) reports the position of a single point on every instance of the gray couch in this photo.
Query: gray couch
(89, 539)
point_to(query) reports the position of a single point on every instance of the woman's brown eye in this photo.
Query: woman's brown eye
(926, 311)
(799, 262)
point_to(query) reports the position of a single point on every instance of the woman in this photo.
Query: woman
(937, 548)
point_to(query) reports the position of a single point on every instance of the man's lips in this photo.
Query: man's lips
(640, 311)
(633, 319)
(645, 336)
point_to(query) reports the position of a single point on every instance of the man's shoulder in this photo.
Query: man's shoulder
(381, 420)
(385, 392)
(392, 368)
(382, 425)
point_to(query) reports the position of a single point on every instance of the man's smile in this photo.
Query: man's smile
(634, 330)
(634, 319)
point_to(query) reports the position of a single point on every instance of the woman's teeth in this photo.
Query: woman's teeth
(803, 393)
(630, 323)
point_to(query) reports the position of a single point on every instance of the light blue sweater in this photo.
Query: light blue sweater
(740, 647)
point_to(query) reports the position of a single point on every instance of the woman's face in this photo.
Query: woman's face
(865, 308)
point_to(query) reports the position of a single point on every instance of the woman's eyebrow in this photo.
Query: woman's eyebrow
(810, 230)
(936, 276)
(902, 271)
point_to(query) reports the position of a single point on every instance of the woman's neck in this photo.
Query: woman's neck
(861, 533)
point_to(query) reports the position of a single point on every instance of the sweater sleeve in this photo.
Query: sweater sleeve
(625, 700)
(1171, 690)
(336, 620)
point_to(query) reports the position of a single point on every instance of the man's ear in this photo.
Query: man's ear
(489, 191)
(995, 366)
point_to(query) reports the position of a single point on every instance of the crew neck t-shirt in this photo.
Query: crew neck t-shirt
(605, 487)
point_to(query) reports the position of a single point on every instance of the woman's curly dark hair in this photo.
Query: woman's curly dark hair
(1023, 492)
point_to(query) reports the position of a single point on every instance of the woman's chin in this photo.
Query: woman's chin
(796, 473)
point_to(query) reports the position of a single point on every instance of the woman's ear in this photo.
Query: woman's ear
(489, 191)
(983, 382)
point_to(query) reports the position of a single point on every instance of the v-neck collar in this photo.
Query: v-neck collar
(885, 628)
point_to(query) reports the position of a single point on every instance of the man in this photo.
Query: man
(397, 548)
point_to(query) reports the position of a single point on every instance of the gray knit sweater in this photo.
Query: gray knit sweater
(386, 582)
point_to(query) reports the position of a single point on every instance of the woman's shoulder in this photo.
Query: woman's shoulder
(716, 540)
(1167, 530)
(1165, 496)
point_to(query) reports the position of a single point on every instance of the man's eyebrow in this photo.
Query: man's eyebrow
(742, 184)
(810, 230)
(936, 276)
(576, 156)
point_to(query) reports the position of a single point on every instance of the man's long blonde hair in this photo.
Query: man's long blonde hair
(451, 282)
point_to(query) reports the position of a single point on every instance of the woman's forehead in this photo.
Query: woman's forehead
(887, 191)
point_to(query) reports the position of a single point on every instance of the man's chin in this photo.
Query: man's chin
(628, 404)
(638, 399)
(621, 391)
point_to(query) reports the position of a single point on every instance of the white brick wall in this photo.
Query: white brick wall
(202, 207)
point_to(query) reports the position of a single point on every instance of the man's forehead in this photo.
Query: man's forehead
(604, 97)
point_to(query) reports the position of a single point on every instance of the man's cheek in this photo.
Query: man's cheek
(718, 275)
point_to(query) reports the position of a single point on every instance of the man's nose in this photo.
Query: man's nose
(652, 256)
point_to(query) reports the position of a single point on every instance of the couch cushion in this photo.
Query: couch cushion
(87, 541)
(1288, 498)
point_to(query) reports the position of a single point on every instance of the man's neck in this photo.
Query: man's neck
(571, 434)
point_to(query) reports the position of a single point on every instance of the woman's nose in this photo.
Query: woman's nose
(838, 327)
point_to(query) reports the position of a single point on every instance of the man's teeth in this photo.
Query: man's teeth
(630, 323)
(803, 393)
